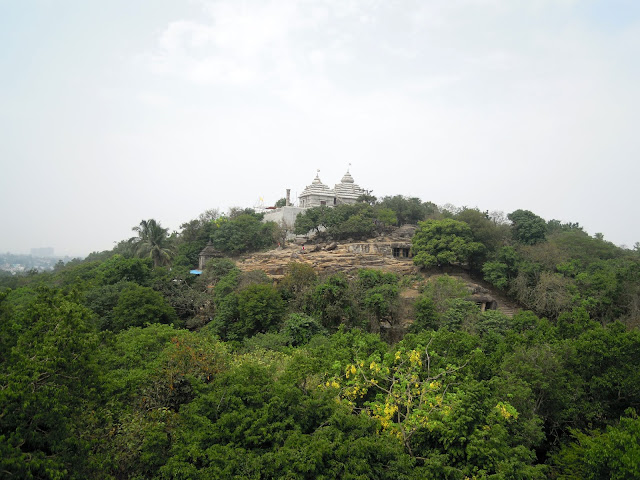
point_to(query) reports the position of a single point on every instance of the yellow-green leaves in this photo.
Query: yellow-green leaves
(400, 391)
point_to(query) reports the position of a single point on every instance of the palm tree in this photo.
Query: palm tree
(153, 241)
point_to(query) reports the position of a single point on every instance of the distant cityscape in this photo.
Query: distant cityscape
(40, 259)
(42, 252)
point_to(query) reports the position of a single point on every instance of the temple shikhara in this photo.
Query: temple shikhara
(318, 194)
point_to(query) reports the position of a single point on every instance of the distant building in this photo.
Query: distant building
(42, 252)
(207, 253)
(318, 194)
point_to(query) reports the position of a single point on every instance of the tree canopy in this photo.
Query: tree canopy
(443, 242)
(126, 366)
(153, 241)
(528, 228)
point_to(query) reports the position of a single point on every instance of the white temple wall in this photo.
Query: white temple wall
(286, 214)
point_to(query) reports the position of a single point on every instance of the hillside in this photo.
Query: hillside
(332, 257)
(381, 352)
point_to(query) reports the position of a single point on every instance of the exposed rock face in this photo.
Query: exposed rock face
(376, 253)
(330, 259)
(406, 231)
(378, 248)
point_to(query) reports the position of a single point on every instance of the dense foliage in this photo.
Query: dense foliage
(121, 367)
(444, 242)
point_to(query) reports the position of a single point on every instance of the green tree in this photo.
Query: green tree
(296, 284)
(443, 242)
(48, 380)
(243, 233)
(193, 237)
(554, 226)
(281, 232)
(299, 328)
(443, 288)
(454, 426)
(500, 271)
(527, 227)
(153, 241)
(102, 300)
(79, 275)
(235, 212)
(358, 226)
(484, 230)
(260, 309)
(367, 198)
(492, 321)
(120, 269)
(138, 306)
(408, 209)
(460, 313)
(217, 268)
(266, 418)
(148, 374)
(612, 454)
(552, 295)
(332, 302)
(406, 394)
(350, 221)
(426, 315)
(377, 292)
(386, 217)
(185, 293)
(340, 222)
(311, 220)
(605, 358)
(225, 298)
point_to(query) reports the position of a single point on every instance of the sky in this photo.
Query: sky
(116, 111)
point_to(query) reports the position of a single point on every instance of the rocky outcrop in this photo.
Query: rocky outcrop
(328, 259)
(347, 257)
(378, 248)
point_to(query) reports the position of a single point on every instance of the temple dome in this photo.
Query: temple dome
(318, 194)
(347, 178)
(347, 191)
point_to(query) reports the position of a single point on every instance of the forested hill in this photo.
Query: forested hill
(126, 366)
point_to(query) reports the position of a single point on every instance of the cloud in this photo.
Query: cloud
(238, 43)
(154, 99)
(537, 91)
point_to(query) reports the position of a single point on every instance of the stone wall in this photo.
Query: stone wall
(286, 214)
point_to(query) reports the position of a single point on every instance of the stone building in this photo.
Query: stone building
(347, 191)
(318, 194)
(207, 253)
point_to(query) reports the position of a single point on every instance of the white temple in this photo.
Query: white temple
(318, 194)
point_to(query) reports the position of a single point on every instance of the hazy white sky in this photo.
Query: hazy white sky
(116, 111)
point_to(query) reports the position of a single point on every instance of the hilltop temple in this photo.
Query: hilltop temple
(318, 194)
